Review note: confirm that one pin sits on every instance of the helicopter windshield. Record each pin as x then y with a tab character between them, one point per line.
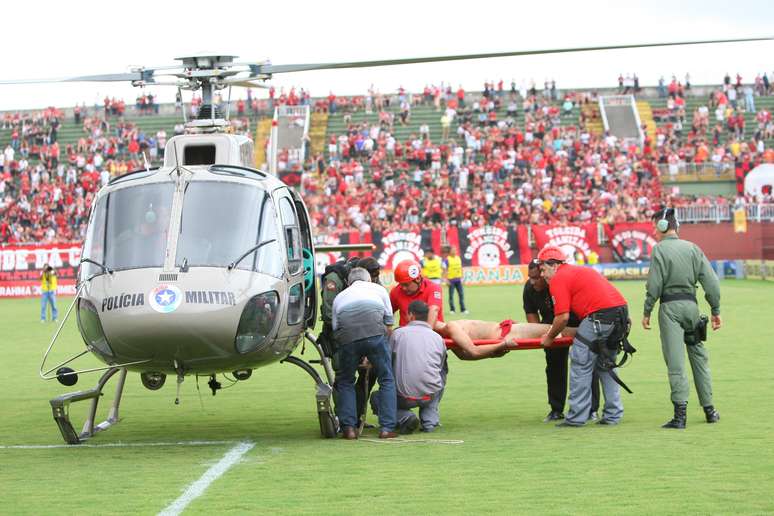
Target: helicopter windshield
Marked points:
221	220
129	228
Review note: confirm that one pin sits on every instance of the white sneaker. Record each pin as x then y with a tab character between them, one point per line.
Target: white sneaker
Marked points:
465	312
452	312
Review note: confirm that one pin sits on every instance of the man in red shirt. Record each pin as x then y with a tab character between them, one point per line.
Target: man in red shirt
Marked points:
604	321
411	286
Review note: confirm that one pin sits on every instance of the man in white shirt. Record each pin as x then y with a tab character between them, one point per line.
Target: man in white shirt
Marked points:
362	316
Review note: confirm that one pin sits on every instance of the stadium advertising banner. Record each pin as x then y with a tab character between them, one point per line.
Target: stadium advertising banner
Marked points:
631	241
22	265
623	271
500	275
572	239
759	269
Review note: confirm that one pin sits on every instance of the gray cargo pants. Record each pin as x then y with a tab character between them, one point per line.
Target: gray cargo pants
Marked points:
583	362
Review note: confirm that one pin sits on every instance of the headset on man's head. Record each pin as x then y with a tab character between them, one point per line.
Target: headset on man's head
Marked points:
663	224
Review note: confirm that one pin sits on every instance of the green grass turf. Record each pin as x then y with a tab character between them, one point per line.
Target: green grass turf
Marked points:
510	462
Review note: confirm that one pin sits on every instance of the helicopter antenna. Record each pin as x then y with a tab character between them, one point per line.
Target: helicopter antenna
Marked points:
145	159
177	161
228	104
182	104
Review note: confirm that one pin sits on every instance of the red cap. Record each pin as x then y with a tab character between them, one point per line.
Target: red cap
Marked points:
407	270
551	252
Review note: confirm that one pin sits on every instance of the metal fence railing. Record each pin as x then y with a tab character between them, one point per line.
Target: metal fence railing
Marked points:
725	213
760	212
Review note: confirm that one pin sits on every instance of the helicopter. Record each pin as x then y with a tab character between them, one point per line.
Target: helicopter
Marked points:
205	264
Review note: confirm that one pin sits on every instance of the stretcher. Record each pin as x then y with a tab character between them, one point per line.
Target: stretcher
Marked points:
559	342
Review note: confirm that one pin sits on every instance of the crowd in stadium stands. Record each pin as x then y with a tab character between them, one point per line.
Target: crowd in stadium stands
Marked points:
535	161
489	169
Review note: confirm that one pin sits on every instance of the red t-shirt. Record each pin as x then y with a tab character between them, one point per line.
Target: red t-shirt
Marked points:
582	291
428	292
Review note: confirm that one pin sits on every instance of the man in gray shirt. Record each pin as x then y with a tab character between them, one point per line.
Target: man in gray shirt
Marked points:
362	315
419	359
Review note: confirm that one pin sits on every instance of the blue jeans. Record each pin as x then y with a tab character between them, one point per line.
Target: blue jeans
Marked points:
47	298
347	358
455	285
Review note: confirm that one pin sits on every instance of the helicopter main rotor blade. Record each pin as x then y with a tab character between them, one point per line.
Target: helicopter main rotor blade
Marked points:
110	77
272	69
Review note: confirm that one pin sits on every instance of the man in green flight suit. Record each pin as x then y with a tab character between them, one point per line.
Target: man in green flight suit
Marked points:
675	268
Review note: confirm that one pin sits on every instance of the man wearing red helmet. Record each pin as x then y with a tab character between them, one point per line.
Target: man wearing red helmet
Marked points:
604	325
412	286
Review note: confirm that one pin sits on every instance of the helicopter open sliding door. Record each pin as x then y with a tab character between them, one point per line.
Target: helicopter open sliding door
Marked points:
310	283
291	231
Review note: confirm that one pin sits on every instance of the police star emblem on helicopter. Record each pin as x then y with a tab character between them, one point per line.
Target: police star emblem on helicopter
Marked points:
150	231
165	298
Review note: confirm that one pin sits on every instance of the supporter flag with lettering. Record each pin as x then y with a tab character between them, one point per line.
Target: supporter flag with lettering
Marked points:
577	241
392	247
631	241
21	267
492	246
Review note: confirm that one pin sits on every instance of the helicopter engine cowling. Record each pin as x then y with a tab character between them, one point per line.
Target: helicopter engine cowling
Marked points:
187	325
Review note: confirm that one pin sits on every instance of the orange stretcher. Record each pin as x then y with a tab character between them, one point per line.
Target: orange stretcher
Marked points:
560	342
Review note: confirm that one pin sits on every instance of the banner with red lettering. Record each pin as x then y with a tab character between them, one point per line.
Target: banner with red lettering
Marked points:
631	241
21	267
577	241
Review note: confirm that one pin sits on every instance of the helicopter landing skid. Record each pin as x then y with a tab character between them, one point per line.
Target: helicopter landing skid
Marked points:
61	408
329	426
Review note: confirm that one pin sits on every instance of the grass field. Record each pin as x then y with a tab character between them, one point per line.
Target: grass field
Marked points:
508	460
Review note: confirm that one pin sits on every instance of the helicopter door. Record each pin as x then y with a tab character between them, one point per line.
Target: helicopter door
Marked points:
310	285
292	234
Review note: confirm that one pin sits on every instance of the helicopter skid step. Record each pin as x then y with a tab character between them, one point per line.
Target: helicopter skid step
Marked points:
61	408
323	394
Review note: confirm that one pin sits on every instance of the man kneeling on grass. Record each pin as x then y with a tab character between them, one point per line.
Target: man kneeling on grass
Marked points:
419	365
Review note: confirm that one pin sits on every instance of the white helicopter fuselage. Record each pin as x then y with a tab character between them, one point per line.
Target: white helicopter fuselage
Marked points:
170	293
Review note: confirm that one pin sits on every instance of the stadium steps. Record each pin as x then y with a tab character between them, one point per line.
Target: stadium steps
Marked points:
317	132
594	117
646	118
262	132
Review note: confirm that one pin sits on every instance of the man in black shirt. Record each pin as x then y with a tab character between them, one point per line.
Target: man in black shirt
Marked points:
539	308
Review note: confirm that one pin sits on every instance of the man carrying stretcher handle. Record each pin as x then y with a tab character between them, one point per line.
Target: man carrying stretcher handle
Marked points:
604	327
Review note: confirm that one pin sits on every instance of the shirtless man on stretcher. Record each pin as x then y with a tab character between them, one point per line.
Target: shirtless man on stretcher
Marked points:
464	331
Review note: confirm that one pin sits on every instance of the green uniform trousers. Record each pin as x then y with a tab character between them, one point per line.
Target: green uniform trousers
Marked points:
674	319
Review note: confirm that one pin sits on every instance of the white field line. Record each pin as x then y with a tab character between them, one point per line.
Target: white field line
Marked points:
412	441
111	445
196	489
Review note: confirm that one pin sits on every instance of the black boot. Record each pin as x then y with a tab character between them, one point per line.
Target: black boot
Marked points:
678	421
712	415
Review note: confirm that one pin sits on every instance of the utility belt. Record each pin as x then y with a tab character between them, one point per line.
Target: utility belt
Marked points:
678	296
608	346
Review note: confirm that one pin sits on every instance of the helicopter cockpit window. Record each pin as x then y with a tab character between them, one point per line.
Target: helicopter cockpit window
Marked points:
292	235
94	246
221	220
199	155
135	227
